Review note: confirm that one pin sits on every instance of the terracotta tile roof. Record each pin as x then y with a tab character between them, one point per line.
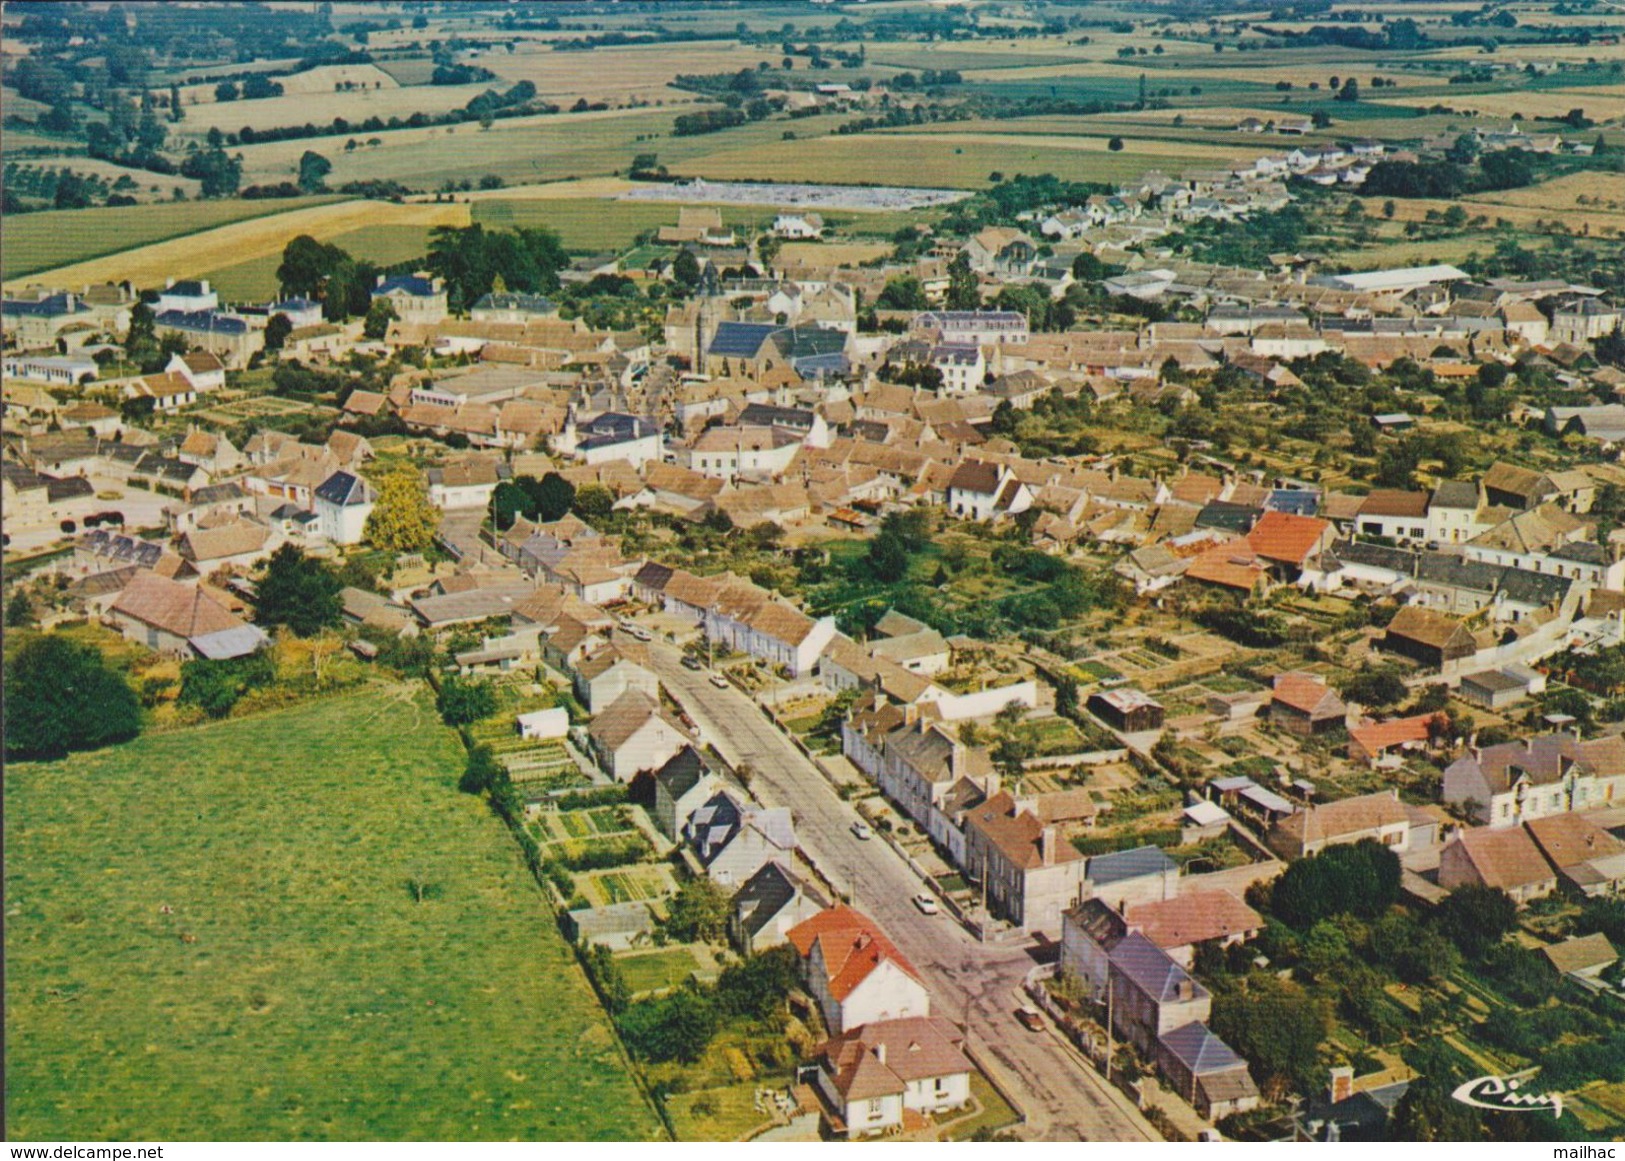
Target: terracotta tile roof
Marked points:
1571	838
628	714
1229	565
1305	693
1281	536
1017	833
1194	918
1581	952
180	609
883	1058
1395	502
1332	821
1507	858
1375	737
853	946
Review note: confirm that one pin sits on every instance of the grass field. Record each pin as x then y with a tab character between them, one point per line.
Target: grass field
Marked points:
54	238
211	935
242	242
652	970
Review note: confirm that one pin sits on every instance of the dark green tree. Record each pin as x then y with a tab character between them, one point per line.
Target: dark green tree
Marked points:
1476	918
699	911
62	696
313	171
277	329
551	496
299	592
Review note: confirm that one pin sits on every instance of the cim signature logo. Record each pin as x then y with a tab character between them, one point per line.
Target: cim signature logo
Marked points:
1496	1092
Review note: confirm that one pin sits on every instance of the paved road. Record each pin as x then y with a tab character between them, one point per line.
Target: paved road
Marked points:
971	983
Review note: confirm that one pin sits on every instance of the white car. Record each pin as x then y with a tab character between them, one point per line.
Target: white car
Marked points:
926	904
862	831
718	680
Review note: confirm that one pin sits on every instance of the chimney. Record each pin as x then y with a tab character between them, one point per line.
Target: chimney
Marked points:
1186	989
1342	1086
1046	845
880	1052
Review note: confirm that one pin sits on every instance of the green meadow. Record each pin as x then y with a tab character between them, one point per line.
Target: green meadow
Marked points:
290	926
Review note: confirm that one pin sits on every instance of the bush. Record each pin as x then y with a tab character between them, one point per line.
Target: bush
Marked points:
462	702
215	687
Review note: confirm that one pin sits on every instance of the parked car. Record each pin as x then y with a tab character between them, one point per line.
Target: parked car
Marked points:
640	633
1030	1019
926	904
862	831
691	662
719	681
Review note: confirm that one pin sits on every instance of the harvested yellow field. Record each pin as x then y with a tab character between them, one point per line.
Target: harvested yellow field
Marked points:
321	108
1604	191
1600	104
1580	221
321	79
834	253
239	242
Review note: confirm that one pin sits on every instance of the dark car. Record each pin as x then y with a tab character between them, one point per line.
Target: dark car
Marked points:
1030	1019
691	662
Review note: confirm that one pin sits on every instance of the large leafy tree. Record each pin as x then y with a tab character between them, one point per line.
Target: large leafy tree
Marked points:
1277	1026
1476	918
472	258
551	497
61	696
298	592
699	911
1360	879
402	519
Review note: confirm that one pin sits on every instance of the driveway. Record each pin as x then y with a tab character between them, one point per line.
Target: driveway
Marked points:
971	983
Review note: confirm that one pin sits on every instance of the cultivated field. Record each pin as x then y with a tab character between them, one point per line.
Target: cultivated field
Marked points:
58	238
311	82
619	75
213	934
321	107
1600	104
954	159
244	241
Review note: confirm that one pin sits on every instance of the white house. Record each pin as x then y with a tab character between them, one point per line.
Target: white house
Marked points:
188	297
980	491
601	679
855	972
871	1074
798	226
202	369
416	298
961	366
1515	782
342	504
634	734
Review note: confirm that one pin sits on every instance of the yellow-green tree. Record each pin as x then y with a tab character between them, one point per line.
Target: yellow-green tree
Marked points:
402	520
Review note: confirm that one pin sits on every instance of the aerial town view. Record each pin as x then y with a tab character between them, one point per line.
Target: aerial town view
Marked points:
814	570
